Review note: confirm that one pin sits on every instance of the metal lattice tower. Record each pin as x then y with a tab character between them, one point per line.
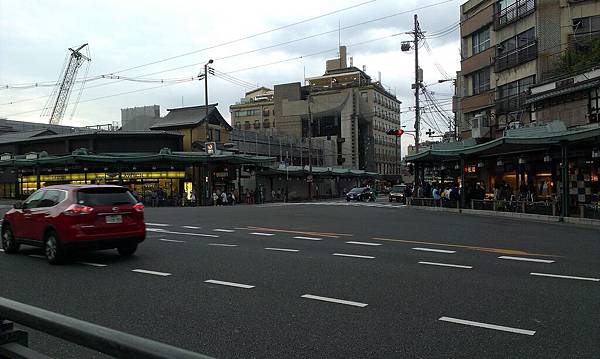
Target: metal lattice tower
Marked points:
63	91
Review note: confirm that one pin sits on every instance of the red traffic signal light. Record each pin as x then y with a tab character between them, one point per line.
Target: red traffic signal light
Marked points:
398	132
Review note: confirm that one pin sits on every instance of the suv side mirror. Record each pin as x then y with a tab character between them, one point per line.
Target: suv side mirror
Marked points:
18	205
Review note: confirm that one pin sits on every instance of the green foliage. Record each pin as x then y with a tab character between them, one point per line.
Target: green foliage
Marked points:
584	56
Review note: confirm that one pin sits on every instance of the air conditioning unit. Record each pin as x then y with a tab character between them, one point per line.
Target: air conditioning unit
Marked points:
481	126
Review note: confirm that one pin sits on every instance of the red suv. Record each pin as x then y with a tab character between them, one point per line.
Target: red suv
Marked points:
64	217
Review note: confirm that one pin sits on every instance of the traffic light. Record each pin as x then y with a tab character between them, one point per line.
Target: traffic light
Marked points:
395	132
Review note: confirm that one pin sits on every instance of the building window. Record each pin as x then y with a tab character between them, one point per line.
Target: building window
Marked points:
594	105
509	97
481	81
585	25
481	40
246	113
508	11
516	50
266	112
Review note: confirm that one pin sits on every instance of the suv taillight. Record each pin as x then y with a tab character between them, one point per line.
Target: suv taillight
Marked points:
138	207
77	210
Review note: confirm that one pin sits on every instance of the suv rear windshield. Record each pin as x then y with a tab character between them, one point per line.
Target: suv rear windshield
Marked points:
105	196
399	188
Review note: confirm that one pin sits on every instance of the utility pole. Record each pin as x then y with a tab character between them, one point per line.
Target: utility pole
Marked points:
309	149
207	176
417	89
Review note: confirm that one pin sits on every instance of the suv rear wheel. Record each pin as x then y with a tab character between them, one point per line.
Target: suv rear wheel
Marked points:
52	248
127	250
9	243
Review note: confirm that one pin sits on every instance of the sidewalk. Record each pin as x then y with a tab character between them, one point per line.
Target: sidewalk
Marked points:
523	216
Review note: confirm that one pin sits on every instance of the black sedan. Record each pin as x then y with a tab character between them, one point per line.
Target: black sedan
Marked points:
360	194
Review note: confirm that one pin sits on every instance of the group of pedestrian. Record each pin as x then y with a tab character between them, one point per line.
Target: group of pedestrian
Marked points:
278	195
223	198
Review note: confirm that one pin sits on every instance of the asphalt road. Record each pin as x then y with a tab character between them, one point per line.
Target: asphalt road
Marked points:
332	280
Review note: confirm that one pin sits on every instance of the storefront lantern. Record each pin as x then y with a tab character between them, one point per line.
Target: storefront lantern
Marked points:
85	169
134	168
547	158
49	169
596	153
105	168
442	167
154	168
66	169
522	160
480	164
499	163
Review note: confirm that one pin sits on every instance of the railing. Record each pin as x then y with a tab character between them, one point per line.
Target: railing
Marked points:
430	202
516	57
14	343
543	208
514	12
590	211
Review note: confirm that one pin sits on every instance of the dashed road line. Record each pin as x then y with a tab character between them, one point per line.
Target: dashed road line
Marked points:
223	230
93	264
353	255
334	300
446	265
191	227
309	238
1	250
229	284
160	230
564	276
433	250
162	274
222	245
170	240
527	259
262	234
487	326
364	243
158	224
282	249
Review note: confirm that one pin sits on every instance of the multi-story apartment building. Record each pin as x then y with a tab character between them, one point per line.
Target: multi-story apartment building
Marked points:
507	47
255	112
350	113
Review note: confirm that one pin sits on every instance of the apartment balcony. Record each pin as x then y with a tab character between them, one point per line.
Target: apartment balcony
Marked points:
513	13
517	56
581	42
477	102
478	61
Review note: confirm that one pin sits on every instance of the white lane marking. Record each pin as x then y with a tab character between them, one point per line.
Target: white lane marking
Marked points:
333	300
282	249
230	284
353	255
262	234
170	240
446	265
162	274
223	230
93	264
160	230
488	326
37	256
364	243
158	224
433	250
309	238
527	259
564	276
1	250
240	228
222	245
190	227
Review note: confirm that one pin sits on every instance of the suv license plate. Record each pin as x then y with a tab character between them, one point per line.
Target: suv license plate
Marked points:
114	219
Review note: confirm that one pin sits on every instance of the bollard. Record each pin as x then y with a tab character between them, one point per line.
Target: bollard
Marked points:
581	211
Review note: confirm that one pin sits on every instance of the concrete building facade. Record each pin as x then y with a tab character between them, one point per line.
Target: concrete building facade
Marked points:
139	118
255	112
507	47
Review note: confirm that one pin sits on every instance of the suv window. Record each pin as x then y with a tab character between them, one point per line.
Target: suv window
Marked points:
103	196
33	200
51	198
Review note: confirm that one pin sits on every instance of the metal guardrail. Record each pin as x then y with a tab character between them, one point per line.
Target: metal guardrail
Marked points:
14	343
543	208
430	202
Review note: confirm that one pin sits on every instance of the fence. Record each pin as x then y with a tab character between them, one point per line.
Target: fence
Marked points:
14	343
543	208
430	202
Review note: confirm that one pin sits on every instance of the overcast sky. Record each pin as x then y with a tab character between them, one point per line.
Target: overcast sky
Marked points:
35	36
